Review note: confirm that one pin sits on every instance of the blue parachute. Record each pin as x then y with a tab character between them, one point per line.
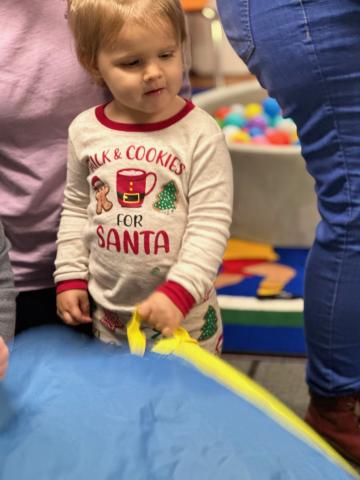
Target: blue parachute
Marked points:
72	408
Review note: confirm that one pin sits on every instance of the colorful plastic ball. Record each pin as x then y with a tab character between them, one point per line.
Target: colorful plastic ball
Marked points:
259	122
221	112
238	108
277	120
272	122
271	107
253	110
241	137
287	125
277	137
294	138
229	131
256	132
234	118
260	140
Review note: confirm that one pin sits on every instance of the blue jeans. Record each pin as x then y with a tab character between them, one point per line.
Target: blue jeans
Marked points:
306	53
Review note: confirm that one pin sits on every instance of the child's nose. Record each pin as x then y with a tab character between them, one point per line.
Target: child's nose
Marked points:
152	72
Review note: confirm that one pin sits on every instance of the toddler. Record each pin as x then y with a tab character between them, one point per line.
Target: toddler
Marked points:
148	198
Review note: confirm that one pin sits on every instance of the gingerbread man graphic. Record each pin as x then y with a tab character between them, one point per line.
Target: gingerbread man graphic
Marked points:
102	190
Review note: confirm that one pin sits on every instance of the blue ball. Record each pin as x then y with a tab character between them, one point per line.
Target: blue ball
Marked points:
256	132
271	107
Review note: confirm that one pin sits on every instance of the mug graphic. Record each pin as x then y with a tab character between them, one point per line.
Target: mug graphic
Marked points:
131	186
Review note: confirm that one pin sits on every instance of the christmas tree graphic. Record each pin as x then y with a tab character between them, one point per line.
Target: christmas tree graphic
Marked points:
210	324
166	199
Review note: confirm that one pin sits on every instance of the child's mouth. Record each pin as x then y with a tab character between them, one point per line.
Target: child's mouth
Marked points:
156	91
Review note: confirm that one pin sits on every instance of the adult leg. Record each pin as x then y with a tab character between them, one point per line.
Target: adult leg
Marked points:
303	52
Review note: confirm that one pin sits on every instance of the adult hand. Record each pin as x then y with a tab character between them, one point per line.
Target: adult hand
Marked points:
4	358
160	313
73	307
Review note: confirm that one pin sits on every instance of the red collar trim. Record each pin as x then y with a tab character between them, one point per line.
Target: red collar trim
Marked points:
142	127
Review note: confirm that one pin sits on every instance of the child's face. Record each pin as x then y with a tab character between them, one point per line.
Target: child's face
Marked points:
143	72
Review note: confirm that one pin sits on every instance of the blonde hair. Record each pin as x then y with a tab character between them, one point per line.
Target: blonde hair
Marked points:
95	24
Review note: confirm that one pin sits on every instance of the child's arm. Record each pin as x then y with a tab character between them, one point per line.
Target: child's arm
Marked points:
4	358
72	255
210	197
209	218
7	302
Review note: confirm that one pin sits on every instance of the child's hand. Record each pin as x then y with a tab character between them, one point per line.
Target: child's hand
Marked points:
4	358
160	313
73	307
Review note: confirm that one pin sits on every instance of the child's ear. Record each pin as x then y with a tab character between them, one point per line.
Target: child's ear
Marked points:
91	67
95	73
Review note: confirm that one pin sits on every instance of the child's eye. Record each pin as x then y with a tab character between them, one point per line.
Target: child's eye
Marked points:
133	63
166	55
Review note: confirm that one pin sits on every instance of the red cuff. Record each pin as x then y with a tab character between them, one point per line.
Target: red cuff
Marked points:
71	285
178	295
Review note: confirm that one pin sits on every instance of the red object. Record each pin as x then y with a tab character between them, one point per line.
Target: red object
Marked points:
131	186
193	5
76	284
221	112
238	266
178	295
278	137
96	182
